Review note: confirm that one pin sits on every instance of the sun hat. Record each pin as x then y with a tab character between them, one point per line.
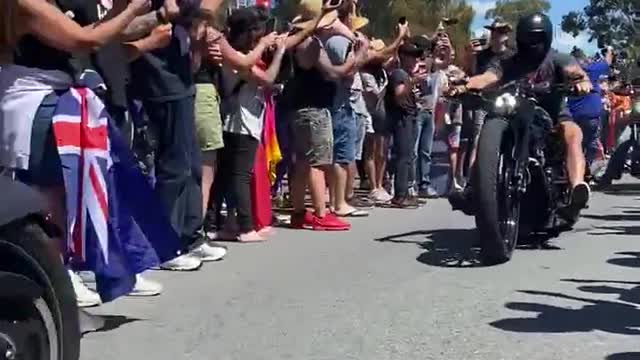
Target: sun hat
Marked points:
307	11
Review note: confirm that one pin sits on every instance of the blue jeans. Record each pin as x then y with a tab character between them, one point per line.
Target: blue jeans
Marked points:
422	149
590	134
178	166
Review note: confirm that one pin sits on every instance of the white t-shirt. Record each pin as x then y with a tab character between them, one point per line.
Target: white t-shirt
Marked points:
243	105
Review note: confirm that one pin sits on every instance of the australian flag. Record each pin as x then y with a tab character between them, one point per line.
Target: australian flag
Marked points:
116	227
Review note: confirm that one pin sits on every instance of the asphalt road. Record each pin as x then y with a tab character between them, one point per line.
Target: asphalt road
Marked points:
403	284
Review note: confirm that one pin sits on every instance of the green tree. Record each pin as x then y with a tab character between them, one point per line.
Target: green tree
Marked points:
423	16
608	22
511	10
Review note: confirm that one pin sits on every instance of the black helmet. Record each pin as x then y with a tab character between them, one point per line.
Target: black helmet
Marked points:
534	34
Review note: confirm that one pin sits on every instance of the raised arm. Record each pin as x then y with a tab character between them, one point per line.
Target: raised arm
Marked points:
40	17
159	38
243	62
391	49
268	77
352	64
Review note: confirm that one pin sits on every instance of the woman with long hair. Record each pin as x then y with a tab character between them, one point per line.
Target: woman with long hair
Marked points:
243	110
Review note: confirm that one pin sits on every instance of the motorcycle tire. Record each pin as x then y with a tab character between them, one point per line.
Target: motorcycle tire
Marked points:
494	249
616	165
25	249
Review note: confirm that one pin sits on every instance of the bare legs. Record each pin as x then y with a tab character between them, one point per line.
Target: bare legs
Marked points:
575	157
315	178
208	176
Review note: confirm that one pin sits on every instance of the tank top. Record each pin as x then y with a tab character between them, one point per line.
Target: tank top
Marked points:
309	89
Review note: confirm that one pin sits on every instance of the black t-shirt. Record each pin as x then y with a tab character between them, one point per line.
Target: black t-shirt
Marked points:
485	57
30	52
395	110
109	61
165	74
550	71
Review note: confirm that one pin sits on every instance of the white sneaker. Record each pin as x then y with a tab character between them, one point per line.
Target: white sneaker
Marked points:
207	252
145	287
84	296
186	262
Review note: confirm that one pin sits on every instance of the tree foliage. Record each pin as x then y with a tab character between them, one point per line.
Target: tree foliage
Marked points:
423	16
511	10
609	22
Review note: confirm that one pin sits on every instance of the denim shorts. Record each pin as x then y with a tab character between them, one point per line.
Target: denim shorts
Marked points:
345	136
45	169
312	135
361	133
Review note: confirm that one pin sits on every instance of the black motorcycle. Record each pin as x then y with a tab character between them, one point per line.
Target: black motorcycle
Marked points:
38	310
626	157
520	183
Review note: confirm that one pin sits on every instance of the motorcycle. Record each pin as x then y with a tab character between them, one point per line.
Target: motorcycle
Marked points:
626	157
520	183
38	310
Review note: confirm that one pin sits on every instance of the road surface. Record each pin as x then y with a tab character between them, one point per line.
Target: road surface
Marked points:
402	285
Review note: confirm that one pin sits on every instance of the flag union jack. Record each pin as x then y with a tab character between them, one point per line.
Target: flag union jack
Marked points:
81	134
116	225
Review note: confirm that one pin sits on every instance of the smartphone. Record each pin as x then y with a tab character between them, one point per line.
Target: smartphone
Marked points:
402	20
270	26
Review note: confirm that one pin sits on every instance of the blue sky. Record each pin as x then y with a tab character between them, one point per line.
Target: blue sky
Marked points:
564	42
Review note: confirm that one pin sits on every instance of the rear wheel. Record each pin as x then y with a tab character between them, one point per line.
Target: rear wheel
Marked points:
45	326
496	196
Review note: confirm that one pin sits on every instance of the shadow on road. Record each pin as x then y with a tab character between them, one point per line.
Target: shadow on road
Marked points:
616	230
623	189
626	216
621	316
444	247
624	356
457	247
91	323
608	316
630	259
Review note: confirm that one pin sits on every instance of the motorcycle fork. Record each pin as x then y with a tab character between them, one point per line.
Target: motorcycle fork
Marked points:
520	134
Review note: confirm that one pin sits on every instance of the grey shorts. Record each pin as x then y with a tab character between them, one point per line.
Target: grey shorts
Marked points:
312	136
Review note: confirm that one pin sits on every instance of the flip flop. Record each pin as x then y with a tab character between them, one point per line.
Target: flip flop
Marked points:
354	213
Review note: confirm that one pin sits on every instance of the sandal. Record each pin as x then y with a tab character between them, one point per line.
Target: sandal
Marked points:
353	213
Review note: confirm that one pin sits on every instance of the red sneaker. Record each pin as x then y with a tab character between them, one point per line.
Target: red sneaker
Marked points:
329	222
302	220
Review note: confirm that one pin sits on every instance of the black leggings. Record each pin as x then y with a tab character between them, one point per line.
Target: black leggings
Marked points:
233	180
404	138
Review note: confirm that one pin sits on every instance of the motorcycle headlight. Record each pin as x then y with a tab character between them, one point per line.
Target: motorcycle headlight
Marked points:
506	104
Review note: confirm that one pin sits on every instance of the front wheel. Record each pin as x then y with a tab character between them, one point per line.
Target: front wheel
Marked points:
44	324
497	202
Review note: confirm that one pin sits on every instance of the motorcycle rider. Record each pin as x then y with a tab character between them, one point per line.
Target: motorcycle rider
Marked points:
536	61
